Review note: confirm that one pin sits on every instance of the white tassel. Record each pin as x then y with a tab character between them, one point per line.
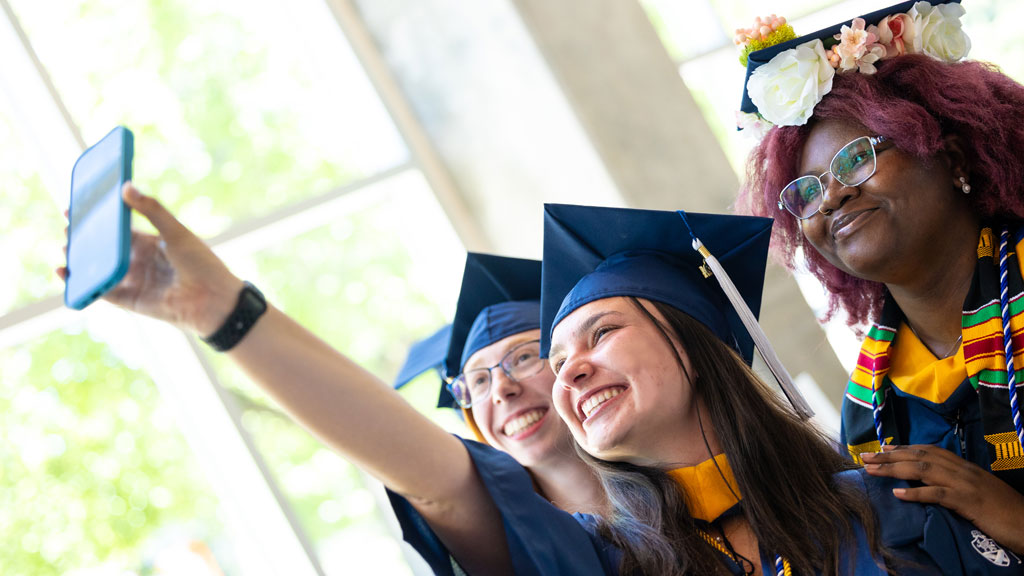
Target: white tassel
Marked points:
803	409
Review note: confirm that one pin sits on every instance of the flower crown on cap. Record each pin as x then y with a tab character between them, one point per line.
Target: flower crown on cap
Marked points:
788	76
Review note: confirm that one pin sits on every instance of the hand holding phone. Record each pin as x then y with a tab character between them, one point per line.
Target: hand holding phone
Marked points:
172	276
99	228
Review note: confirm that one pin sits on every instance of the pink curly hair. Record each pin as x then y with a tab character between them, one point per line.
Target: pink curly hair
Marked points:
915	101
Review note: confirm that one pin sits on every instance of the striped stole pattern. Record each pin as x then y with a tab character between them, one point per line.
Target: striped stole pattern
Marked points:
872	363
984	355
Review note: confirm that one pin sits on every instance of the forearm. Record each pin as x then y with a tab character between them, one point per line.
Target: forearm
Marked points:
348	408
362	418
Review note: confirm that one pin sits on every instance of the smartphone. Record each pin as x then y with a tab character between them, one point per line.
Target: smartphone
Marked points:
99	228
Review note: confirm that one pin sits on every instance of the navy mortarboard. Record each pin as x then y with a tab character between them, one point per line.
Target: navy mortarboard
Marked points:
500	297
592	253
428	354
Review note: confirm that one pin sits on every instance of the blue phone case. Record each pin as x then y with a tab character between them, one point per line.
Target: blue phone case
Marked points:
76	294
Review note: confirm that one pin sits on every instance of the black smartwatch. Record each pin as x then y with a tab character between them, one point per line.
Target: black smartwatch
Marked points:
251	305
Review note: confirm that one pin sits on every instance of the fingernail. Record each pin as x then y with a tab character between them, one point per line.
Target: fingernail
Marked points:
871	467
899	491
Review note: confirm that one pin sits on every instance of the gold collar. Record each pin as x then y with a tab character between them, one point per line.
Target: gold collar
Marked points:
707	494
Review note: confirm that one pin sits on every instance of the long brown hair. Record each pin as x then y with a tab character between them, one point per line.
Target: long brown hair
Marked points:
783	467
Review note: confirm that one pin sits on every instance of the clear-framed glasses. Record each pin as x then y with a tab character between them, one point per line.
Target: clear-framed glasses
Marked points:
851	166
518	364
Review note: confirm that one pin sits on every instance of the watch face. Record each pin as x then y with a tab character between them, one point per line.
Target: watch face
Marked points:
253	299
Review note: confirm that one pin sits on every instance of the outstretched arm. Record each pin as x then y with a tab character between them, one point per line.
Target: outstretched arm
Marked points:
175	277
365	420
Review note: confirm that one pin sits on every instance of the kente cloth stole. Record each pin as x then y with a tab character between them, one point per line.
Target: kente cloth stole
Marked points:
985	361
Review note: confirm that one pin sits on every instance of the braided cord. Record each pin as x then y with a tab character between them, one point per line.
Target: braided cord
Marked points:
876	410
1004	303
725	550
782	567
715	544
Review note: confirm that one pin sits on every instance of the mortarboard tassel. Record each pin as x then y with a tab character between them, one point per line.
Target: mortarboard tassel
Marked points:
803	409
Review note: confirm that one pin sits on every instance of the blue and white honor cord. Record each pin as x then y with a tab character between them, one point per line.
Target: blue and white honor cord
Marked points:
780	566
1004	303
876	410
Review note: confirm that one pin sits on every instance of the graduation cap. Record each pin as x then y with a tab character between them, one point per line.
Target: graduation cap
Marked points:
500	297
427	354
593	253
759	58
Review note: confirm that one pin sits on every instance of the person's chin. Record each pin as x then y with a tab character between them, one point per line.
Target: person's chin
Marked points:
863	254
530	455
863	262
610	453
602	442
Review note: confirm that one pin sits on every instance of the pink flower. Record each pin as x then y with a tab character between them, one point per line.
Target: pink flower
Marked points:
894	31
762	28
833	57
858	48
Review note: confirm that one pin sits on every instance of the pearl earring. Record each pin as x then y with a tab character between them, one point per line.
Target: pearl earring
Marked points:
964	185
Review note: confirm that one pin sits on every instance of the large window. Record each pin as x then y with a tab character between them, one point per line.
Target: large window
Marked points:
28	217
94	470
256	124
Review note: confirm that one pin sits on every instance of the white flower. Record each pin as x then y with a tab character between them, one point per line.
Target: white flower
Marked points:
937	31
787	88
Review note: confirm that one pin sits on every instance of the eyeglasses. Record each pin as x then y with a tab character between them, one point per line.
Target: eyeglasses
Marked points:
851	166
520	363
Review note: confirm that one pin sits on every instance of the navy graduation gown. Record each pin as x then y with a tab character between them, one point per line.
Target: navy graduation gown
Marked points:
544	540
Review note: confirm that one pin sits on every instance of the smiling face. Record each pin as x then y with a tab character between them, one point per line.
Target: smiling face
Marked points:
885	227
620	388
517	417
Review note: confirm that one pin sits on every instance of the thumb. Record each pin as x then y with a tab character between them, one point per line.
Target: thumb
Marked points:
166	224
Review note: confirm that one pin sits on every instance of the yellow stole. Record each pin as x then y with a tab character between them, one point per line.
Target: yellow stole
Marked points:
916	371
707	494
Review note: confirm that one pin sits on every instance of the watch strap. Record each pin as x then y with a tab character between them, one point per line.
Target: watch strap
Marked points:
250	306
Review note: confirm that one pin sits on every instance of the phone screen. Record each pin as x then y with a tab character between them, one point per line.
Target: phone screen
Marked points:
98	230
